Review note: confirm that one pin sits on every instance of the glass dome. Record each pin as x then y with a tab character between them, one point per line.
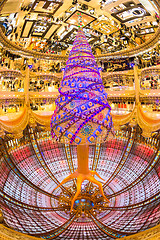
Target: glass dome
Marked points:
31	167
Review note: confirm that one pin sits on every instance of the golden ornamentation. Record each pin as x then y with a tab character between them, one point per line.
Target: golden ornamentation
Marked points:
18	134
128	52
104	26
1	216
2	133
137	116
9	234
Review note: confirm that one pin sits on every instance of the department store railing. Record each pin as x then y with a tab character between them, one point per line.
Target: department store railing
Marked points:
43	89
36	96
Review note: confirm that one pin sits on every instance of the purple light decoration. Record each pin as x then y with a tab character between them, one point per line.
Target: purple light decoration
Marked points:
82	114
30	66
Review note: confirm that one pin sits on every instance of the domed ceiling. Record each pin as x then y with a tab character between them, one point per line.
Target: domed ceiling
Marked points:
32	166
50	26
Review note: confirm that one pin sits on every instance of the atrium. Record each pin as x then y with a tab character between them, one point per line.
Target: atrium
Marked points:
49	51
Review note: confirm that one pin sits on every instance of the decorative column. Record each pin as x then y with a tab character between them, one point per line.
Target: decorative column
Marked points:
137	83
1	217
133	121
26	85
12	64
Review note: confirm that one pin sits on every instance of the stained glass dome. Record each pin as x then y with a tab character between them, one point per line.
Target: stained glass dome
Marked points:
31	167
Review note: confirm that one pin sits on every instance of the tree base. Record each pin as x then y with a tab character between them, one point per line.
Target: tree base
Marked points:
80	178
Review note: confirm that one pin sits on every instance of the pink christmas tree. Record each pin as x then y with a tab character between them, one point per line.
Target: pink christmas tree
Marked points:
82	114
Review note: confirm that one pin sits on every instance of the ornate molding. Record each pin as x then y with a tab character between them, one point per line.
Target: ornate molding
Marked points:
137	116
149	234
9	234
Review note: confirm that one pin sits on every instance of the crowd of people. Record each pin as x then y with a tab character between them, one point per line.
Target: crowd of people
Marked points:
12	85
43	86
150	83
128	63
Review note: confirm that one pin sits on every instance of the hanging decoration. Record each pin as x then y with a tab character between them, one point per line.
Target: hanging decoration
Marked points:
82	115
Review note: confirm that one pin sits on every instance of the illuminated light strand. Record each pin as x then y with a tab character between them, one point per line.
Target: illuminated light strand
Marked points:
90	70
80	57
82	98
77	44
85	112
82	124
68	95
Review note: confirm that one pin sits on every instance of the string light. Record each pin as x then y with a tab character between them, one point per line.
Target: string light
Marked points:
82	114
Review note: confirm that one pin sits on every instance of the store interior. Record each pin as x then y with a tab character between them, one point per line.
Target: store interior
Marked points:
36	37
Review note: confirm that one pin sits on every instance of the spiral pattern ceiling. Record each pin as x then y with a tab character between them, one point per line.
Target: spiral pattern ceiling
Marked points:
31	167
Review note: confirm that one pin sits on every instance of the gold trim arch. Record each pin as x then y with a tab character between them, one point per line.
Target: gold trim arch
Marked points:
149	234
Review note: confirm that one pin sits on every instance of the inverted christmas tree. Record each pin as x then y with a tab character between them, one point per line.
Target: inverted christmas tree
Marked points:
82	114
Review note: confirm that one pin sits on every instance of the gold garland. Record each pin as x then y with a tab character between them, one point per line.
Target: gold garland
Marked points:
137	116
